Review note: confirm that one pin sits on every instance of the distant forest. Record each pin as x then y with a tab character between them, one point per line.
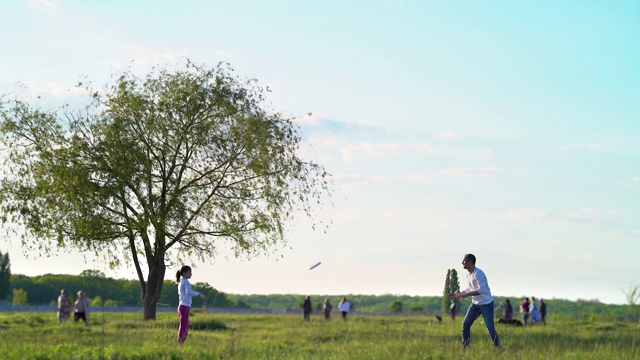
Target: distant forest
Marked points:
44	290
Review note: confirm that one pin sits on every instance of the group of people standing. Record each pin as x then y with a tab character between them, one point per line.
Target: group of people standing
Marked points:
533	311
186	293
80	307
307	308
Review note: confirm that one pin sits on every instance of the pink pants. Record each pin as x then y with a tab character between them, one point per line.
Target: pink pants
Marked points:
183	311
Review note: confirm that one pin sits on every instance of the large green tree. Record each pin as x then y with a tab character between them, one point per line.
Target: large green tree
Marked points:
182	163
5	276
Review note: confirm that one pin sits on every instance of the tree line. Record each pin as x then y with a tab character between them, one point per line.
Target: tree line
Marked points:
44	290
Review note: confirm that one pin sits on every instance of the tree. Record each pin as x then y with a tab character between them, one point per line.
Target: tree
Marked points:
93	274
96	301
633	300
451	285
5	276
19	297
395	307
182	164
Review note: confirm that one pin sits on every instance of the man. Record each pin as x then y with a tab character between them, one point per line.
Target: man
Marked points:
507	310
481	301
543	311
524	310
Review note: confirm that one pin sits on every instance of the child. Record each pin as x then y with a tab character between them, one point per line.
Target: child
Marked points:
184	294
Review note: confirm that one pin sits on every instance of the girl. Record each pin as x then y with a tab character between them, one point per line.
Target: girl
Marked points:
184	294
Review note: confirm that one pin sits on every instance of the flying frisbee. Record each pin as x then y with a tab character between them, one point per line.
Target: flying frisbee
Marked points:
315	265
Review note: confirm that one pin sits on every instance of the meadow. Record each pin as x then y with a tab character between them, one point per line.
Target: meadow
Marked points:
243	336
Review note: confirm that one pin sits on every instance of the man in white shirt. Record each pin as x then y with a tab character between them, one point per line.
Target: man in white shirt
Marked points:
481	301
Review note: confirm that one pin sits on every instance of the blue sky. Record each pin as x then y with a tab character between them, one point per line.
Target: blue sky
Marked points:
506	129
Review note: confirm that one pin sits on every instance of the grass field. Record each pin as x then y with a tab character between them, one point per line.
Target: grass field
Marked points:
224	336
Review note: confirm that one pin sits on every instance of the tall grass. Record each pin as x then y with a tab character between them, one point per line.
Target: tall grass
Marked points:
126	336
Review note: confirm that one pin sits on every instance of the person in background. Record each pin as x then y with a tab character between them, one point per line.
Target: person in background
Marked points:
507	310
82	307
64	306
453	310
326	308
533	307
185	293
307	308
524	310
344	307
543	311
481	302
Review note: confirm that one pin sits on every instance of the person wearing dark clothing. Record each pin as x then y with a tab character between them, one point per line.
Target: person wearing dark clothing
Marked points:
507	310
327	309
524	310
543	312
307	308
453	310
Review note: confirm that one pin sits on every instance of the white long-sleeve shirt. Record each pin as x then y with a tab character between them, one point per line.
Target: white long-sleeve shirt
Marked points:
478	281
185	293
344	306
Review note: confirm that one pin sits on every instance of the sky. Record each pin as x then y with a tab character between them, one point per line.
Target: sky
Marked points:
506	129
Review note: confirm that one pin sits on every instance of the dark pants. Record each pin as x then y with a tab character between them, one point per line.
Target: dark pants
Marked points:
473	313
80	315
307	315
327	315
344	315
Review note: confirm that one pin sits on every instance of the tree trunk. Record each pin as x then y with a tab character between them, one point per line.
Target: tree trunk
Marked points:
155	281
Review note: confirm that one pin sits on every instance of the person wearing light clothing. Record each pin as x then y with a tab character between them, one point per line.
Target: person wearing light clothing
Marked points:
344	307
185	293
481	301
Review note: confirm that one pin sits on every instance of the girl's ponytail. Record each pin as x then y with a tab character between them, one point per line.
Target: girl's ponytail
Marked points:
183	270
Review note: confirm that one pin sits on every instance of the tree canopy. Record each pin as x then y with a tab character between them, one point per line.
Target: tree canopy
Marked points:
183	163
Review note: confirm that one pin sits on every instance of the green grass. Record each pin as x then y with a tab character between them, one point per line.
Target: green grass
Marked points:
225	336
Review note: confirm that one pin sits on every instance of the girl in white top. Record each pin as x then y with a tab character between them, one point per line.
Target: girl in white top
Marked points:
185	293
344	307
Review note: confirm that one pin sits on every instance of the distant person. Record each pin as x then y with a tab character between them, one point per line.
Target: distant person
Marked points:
307	308
82	307
185	293
453	309
481	302
507	310
326	308
533	309
543	311
64	306
344	307
524	310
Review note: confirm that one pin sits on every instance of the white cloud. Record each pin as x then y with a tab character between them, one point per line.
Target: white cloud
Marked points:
635	179
142	56
353	181
445	136
372	150
574	147
43	5
51	88
587	215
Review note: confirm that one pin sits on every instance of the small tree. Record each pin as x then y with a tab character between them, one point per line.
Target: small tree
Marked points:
633	300
110	303
5	276
19	297
395	306
451	285
97	301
